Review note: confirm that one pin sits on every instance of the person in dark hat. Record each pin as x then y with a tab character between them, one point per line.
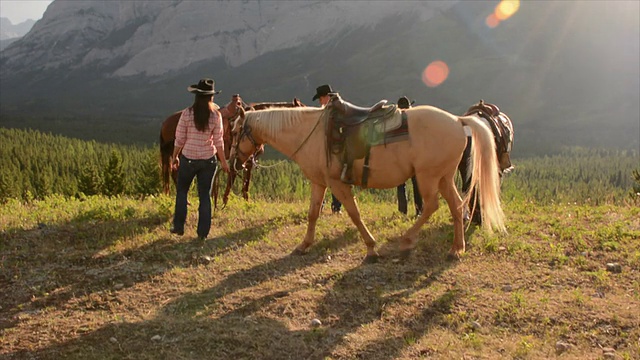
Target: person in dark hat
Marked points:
404	103
322	95
197	145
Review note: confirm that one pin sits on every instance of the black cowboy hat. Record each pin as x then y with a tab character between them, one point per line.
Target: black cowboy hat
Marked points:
204	87
403	102
322	90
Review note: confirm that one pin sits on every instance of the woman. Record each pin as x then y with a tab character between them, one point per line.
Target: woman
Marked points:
198	142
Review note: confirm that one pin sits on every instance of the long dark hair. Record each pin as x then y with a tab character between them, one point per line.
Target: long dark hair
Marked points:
201	111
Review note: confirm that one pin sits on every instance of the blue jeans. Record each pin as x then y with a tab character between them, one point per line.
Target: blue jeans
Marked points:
204	171
402	197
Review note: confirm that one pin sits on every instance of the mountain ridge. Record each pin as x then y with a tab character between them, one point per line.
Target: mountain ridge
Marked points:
558	74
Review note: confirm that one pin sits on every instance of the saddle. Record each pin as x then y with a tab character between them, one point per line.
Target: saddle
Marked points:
496	120
352	130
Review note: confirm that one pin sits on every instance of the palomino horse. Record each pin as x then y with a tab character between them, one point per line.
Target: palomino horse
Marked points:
168	135
436	141
502	129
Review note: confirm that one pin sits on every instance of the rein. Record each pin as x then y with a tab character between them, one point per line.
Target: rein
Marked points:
307	138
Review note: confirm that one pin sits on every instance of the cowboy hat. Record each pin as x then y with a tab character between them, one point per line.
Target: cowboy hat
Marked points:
322	90
404	103
204	87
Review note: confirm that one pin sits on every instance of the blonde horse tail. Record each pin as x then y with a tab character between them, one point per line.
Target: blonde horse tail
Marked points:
485	176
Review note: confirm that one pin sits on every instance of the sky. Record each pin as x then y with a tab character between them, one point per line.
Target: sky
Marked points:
20	10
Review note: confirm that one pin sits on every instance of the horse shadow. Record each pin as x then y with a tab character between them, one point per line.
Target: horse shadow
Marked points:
381	286
244	332
80	273
114	337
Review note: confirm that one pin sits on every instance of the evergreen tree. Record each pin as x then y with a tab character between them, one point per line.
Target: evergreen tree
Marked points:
90	182
148	181
42	185
114	178
7	190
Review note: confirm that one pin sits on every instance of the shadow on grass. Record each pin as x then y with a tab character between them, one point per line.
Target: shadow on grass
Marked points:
47	265
232	336
242	332
359	298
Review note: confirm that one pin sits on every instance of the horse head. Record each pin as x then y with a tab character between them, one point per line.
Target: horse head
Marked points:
244	148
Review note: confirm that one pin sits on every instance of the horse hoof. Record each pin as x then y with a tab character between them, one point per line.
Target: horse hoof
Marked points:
371	259
298	252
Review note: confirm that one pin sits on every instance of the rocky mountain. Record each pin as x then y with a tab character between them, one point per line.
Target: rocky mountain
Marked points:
10	32
560	69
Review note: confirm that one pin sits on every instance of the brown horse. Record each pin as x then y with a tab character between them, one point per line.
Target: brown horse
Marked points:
436	141
229	113
168	134
502	129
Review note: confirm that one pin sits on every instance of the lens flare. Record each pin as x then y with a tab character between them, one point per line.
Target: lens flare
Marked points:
435	73
504	10
492	21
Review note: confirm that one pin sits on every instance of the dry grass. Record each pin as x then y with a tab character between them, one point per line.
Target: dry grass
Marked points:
104	279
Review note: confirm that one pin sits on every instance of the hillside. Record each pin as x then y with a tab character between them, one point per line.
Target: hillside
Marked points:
560	70
102	278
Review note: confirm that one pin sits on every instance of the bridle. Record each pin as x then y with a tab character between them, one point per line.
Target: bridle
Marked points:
245	131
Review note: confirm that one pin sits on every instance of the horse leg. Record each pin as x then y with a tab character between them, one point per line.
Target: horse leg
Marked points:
317	194
451	195
245	183
429	191
230	179
165	175
344	194
165	166
465	169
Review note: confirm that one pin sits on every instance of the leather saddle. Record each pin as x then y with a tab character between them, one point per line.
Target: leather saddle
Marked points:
352	129
349	122
492	114
497	121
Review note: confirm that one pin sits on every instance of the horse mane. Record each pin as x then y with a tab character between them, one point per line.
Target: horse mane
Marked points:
274	120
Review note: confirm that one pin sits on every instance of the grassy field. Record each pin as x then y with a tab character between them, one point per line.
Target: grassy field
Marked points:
102	278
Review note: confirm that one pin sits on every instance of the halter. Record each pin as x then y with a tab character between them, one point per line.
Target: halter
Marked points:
246	132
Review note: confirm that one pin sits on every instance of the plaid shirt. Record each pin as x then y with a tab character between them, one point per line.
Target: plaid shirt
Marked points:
199	144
